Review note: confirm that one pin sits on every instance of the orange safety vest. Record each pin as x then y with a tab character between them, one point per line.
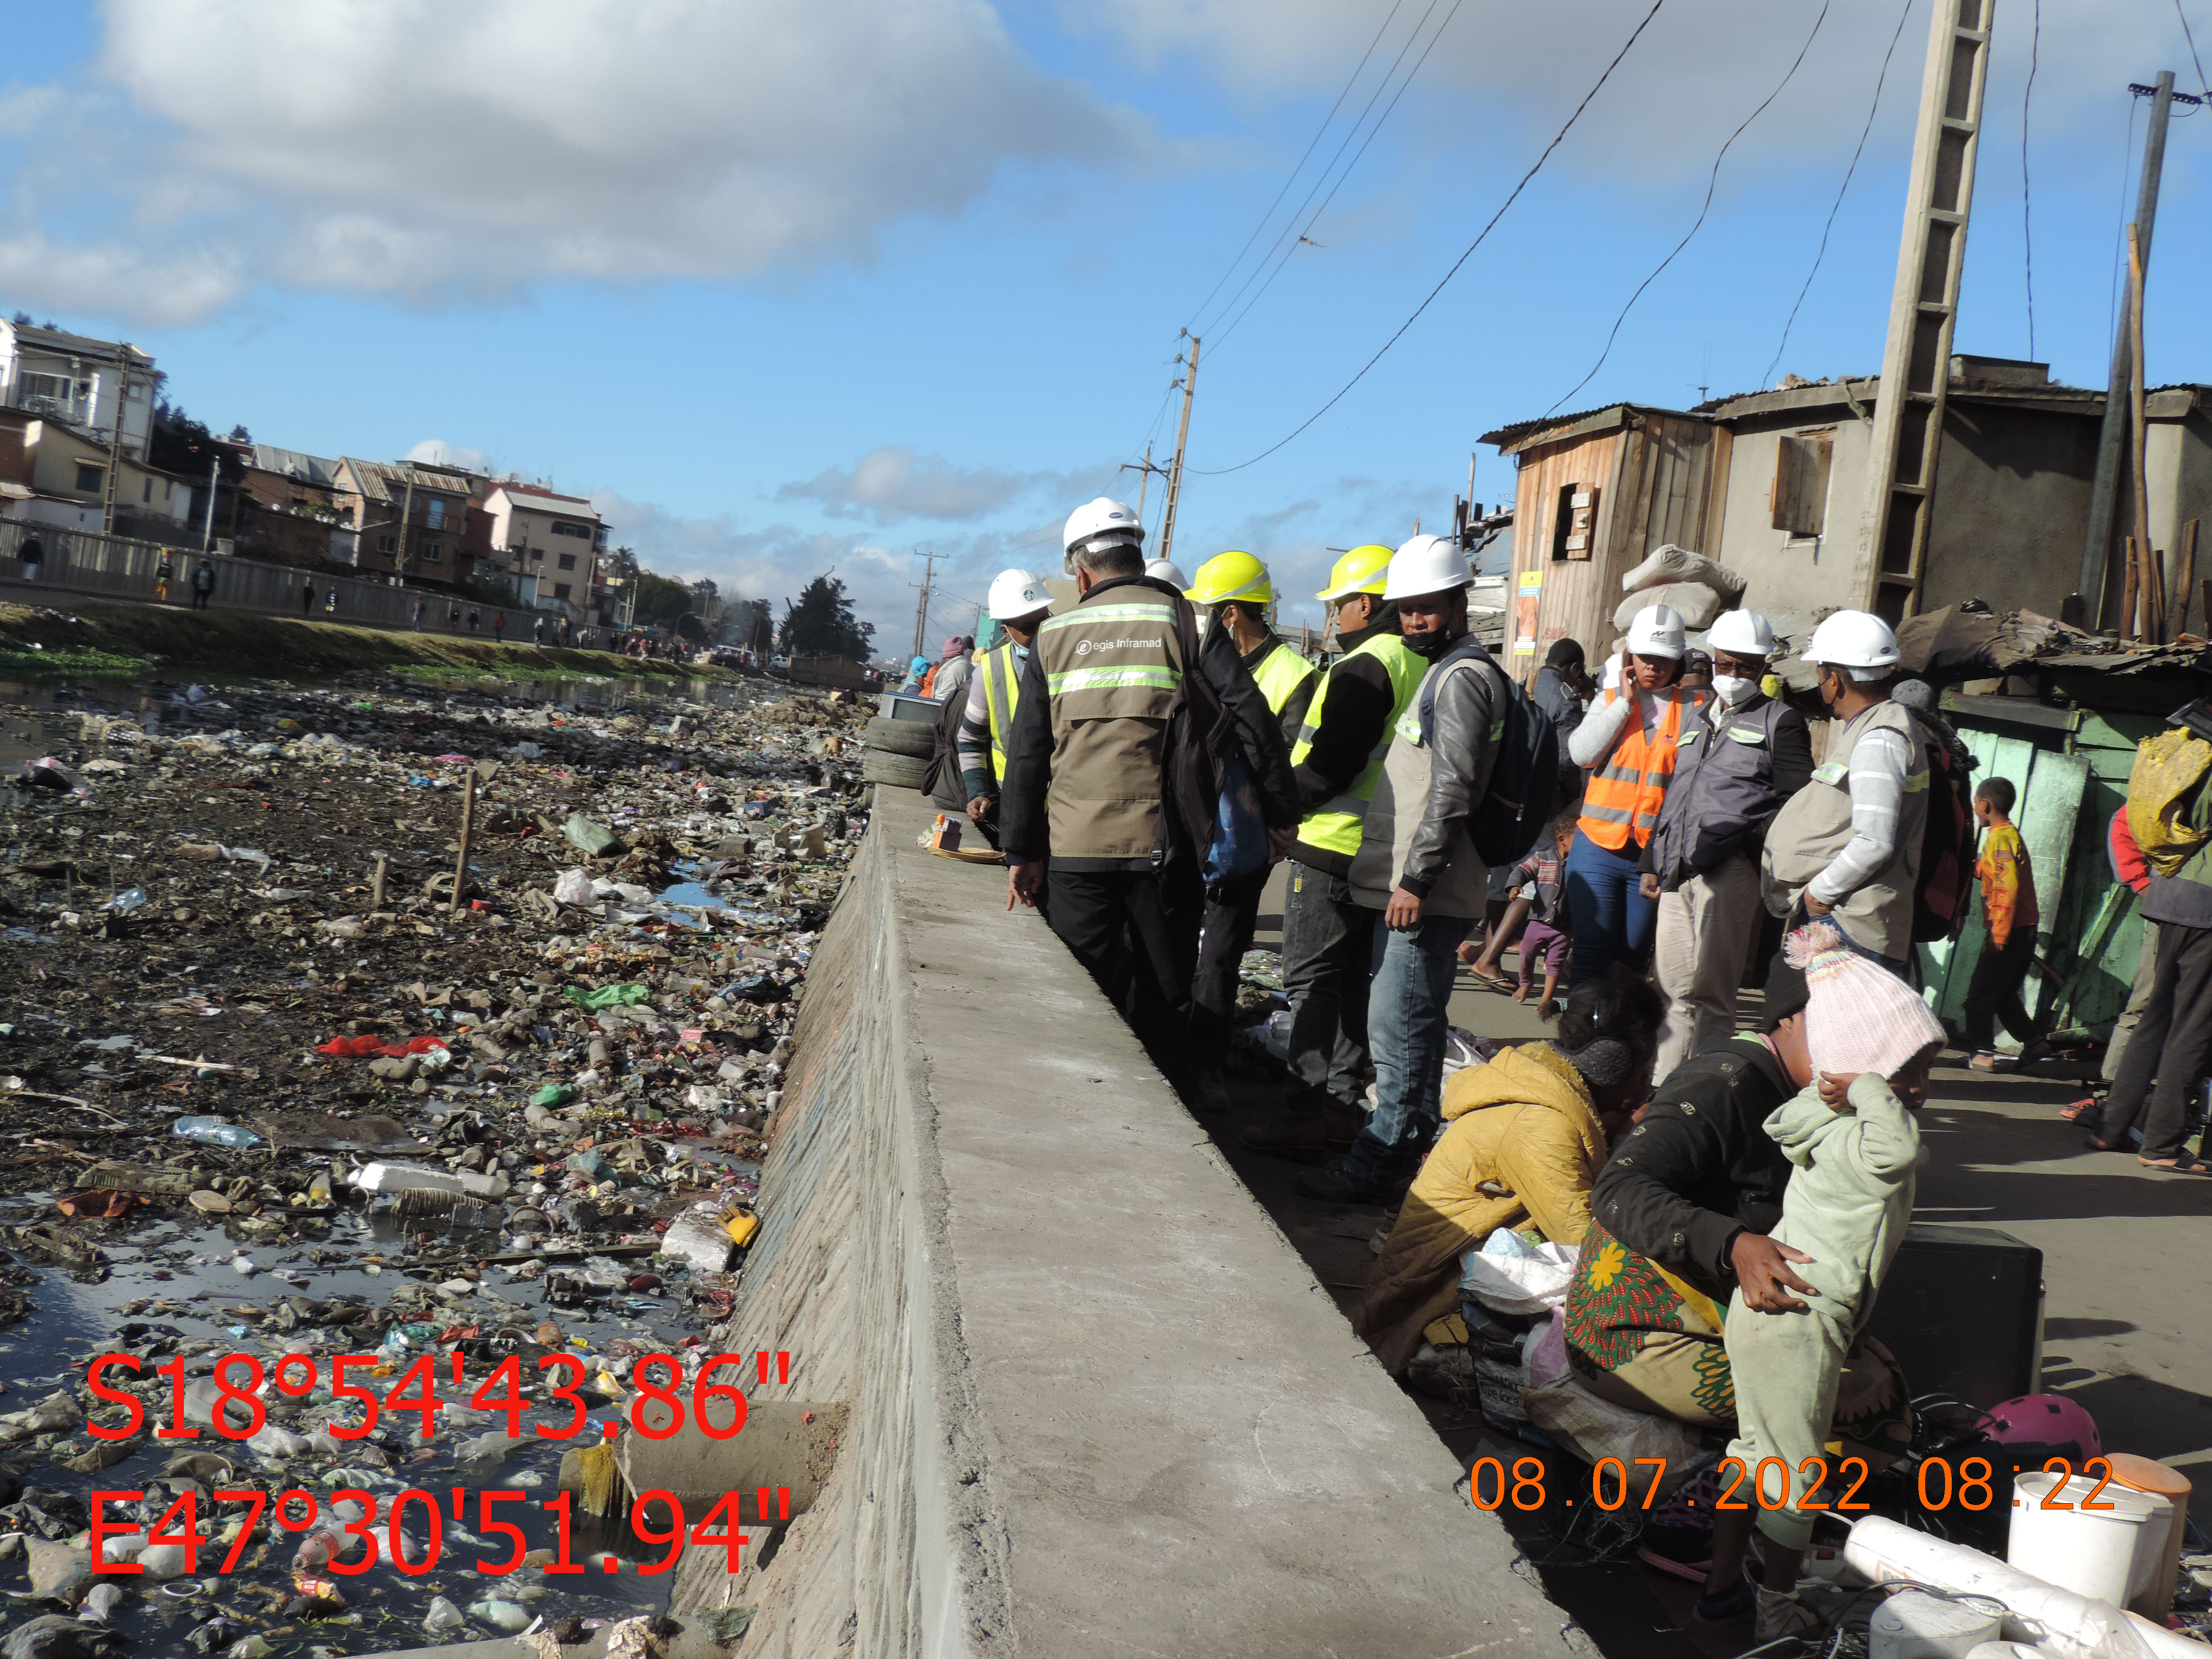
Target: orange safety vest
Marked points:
1624	795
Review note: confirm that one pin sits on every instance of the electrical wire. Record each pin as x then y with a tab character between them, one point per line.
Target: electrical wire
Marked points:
1292	177
1713	183
1835	206
2027	222
1557	138
1290	231
2203	86
1314	218
2120	226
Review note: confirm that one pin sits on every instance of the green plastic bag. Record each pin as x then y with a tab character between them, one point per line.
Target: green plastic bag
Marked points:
606	996
553	1094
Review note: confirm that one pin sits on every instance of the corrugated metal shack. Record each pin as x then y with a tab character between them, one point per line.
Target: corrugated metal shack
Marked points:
2058	712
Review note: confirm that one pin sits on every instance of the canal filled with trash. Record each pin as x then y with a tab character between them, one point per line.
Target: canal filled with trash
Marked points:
269	1087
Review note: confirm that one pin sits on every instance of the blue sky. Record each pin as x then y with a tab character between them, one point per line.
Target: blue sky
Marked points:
791	292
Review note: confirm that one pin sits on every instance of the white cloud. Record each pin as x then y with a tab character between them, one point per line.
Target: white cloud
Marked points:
438	452
891	483
402	147
1503	74
158	290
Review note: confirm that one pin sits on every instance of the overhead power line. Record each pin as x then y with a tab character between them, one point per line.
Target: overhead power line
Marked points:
2202	87
1314	218
1836	206
1713	183
1557	138
1292	178
2027	219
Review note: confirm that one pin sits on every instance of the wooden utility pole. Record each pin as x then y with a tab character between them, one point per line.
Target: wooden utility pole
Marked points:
399	547
2104	490
1174	467
1891	555
1144	477
2150	581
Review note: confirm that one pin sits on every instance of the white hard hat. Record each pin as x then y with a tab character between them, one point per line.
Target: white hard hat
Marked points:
1853	639
1015	594
1426	564
1743	633
1169	571
1657	631
1103	519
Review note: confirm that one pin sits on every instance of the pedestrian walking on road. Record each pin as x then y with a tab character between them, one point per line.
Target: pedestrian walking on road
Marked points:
2172	1046
31	555
1848	844
419	603
476	620
307	596
163	576
454	618
568	632
537	628
1740	759
499	627
2009	916
202	584
331	601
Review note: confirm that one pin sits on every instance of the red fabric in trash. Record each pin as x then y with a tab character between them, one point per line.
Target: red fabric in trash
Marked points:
369	1048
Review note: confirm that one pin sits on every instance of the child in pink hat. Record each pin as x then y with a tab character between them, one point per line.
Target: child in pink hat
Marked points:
1855	1147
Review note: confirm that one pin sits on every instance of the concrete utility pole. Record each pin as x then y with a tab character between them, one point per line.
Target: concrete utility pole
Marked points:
1174	467
922	605
1890	556
2097	543
215	472
115	438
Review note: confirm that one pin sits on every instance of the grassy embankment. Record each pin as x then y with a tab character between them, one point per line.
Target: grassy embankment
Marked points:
96	640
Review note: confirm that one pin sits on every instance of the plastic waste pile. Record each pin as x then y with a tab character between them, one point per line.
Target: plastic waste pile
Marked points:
275	1087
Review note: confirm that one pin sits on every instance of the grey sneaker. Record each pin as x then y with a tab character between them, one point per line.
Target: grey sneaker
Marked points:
1784	1616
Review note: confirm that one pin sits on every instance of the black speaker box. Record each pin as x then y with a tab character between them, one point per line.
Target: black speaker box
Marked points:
1962	1309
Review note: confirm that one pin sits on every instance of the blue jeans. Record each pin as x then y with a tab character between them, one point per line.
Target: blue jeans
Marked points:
1614	922
1406	1017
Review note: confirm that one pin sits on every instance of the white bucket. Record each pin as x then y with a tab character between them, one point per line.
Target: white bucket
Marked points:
2092	1552
1914	1625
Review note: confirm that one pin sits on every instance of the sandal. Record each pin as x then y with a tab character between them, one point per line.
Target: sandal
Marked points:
2087	1106
2180	1163
2096	1146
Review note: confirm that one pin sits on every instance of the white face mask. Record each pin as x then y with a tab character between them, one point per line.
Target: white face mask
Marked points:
1733	690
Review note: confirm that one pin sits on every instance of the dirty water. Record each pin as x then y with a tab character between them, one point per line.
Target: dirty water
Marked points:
237	908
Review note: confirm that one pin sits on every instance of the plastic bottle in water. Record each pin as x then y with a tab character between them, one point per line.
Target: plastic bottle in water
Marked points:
214	1132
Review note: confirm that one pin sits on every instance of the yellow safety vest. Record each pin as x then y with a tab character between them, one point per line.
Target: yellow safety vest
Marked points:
1335	826
1281	672
1002	692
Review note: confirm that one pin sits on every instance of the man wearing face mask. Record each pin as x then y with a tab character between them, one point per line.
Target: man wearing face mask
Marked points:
1328	938
1847	846
1738	760
1417	877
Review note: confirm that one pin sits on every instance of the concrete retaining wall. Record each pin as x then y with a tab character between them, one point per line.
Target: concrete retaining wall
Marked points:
1098	1404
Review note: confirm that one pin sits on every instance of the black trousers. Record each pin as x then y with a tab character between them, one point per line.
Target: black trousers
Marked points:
2174	1045
1232	912
1328	948
1993	993
1136	932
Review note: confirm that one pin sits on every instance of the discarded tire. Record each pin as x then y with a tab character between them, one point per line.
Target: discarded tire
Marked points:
901	771
901	737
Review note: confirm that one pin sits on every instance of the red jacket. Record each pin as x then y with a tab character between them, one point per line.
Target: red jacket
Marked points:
2129	863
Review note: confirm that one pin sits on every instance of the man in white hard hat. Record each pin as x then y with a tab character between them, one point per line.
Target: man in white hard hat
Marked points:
1168	571
1847	846
1744	756
1416	871
1017	602
1096	791
1628	742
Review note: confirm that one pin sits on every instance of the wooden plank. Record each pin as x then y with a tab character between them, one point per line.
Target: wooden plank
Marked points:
2111	728
2011	711
2048	813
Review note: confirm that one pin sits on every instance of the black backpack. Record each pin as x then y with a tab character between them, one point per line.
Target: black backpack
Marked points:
1524	795
1943	893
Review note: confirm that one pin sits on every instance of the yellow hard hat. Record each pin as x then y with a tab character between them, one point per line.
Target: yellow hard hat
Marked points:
1360	571
1231	575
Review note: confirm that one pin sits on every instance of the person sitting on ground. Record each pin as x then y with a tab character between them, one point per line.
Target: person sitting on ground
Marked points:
1854	1148
1682	1216
2008	918
1526	1133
